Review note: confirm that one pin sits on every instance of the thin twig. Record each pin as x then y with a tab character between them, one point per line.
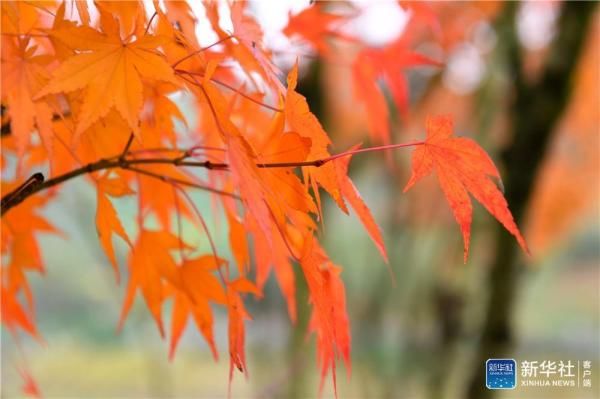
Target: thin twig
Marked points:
168	179
227	86
179	229
126	149
149	23
200	50
211	242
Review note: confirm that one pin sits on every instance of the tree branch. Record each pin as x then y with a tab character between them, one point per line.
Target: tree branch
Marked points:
122	162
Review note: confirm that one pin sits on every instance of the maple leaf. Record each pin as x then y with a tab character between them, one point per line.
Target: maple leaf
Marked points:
237	237
237	315
82	10
19	17
462	167
386	63
247	30
19	230
279	147
180	14
110	69
13	315
23	74
158	197
199	286
315	26
159	115
149	264
242	158
422	14
274	255
305	123
129	13
329	319
29	387
107	221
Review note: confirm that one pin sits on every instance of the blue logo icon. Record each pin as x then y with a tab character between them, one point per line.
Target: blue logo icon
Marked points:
501	374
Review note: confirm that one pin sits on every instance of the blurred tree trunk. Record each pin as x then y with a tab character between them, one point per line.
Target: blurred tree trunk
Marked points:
534	113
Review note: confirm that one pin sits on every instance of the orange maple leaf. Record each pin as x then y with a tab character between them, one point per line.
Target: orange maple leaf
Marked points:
29	387
249	33
199	286
388	64
315	26
236	331
329	319
23	74
13	315
306	124
110	68
462	167
107	220
150	265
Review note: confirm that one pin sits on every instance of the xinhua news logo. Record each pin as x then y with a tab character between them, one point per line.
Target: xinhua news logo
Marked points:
501	374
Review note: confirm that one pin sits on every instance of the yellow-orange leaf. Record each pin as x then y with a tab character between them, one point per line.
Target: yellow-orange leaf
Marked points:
306	124
107	223
110	69
200	286
237	315
23	74
114	187
287	147
149	264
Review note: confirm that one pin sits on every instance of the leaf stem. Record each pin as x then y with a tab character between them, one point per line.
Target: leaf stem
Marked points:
174	180
126	149
227	86
193	53
149	23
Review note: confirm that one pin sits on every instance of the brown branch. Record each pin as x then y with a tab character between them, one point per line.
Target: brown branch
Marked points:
120	162
129	141
23	190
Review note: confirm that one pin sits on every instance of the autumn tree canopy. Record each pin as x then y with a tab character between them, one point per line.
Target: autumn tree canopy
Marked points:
87	92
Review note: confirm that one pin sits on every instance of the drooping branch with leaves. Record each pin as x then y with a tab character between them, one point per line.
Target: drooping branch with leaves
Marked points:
88	93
